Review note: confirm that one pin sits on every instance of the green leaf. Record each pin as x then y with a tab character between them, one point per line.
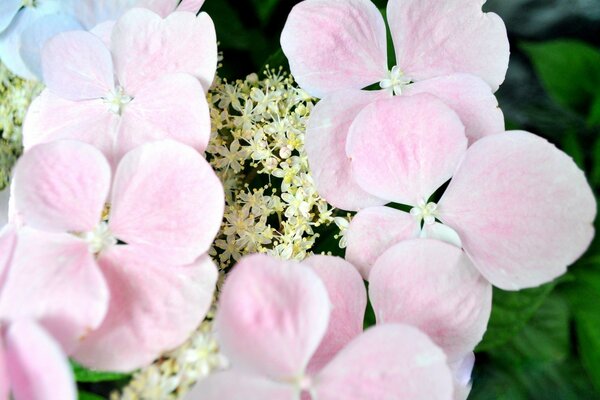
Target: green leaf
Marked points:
82	395
572	146
265	9
568	69
593	119
510	313
276	60
83	374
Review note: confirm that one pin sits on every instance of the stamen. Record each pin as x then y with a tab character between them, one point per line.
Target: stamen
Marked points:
395	82
117	99
426	212
99	239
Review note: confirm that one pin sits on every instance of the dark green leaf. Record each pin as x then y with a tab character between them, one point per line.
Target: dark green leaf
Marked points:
83	374
569	71
572	146
264	9
88	396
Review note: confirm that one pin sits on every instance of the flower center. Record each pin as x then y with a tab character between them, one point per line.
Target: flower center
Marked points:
395	82
100	238
117	99
425	212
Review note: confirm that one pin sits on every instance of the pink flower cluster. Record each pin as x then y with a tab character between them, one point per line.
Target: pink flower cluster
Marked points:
113	206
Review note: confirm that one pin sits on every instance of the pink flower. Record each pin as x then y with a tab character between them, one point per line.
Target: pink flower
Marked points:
145	87
520	208
294	343
141	235
338	47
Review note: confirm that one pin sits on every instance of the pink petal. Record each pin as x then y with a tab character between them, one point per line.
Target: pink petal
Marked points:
190	5
38	368
348	297
77	66
335	44
54	279
462	370
166	196
434	39
470	97
104	31
404	148
153	308
394	362
145	47
233	385
94	12
62	186
174	106
375	229
50	118
8	241
522	209
435	287
281	307
326	133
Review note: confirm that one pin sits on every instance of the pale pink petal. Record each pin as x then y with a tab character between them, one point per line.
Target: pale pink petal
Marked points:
441	232
77	66
375	229
335	44
433	38
434	286
392	362
348	297
232	385
62	186
190	5
462	370
4	378
470	97
93	12
104	31
522	209
166	196
172	107
38	369
145	47
154	307
282	309
404	148
326	133
8	241
54	279
50	118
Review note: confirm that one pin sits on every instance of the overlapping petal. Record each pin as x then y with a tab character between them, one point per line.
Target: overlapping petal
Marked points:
387	362
8	11
93	12
348	298
434	286
404	148
232	385
522	209
190	5
335	44
325	144
38	370
166	196
4	200
77	66
154	307
145	46
62	186
283	310
8	241
434	38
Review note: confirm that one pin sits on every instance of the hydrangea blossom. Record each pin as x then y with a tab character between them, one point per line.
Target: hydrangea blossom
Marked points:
26	25
295	343
338	47
142	234
148	92
520	208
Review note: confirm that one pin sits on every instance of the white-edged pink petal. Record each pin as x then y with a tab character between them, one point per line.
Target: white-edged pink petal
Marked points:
392	362
50	118
433	38
190	5
54	279
375	229
335	44
325	144
434	286
145	46
77	66
470	97
172	107
405	147
348	298
522	208
233	385
154	307
272	316
38	369
62	186
166	196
